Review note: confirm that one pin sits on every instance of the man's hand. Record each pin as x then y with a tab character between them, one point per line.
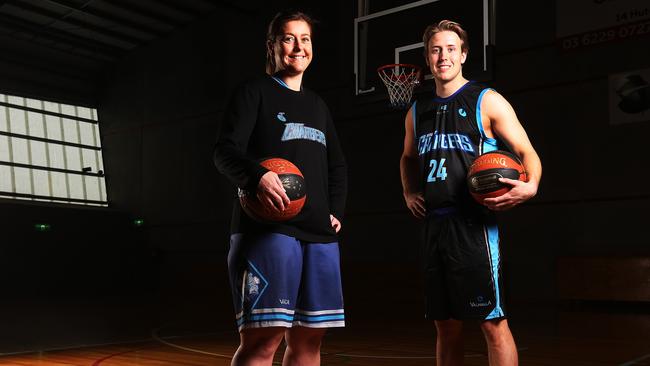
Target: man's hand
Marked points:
519	193
271	192
415	203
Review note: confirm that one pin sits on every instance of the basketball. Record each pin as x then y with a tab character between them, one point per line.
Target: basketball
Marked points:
292	181
485	171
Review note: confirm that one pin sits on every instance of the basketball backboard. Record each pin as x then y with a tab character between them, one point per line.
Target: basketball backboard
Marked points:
390	31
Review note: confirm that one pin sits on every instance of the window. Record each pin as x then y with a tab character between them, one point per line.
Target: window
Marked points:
50	152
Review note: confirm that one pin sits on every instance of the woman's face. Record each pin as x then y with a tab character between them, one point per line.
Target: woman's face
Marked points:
292	50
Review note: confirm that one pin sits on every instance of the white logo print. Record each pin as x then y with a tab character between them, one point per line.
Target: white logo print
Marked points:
281	117
296	131
253	284
480	302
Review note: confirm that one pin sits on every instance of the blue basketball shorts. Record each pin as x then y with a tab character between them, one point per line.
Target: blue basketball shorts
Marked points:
463	267
280	281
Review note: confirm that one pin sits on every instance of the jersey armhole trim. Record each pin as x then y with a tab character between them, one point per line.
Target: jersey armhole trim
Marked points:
489	143
413	114
479	118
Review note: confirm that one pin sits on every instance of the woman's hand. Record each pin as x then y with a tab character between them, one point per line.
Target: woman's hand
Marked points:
271	192
336	224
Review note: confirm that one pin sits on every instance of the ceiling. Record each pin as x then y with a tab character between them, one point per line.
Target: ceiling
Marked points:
75	42
100	30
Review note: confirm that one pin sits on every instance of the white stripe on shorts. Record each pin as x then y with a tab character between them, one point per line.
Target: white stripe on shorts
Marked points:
334	324
267	311
320	312
264	324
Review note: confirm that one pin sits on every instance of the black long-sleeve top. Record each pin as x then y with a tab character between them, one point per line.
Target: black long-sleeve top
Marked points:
265	119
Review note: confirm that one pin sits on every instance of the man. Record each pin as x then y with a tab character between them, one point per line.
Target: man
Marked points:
444	134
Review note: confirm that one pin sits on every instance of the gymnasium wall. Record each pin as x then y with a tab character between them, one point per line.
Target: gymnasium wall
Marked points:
160	116
593	194
83	280
49	74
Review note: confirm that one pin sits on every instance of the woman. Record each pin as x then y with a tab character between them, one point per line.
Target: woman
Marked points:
285	277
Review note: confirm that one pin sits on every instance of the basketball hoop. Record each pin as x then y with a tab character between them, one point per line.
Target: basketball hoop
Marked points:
400	79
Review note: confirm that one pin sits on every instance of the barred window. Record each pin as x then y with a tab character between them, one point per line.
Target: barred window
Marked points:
50	152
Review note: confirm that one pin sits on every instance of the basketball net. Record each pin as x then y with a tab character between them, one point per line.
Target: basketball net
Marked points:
400	80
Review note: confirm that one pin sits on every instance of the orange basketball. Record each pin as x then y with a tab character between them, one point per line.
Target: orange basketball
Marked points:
485	171
292	181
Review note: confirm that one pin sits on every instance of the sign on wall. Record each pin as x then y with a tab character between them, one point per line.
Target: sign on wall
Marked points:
581	23
629	97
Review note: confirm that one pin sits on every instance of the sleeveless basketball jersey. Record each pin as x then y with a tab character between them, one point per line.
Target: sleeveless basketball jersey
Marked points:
449	136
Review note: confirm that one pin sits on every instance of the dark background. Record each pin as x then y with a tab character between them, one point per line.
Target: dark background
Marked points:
95	278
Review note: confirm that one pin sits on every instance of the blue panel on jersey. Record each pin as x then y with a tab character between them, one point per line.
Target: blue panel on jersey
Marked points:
489	144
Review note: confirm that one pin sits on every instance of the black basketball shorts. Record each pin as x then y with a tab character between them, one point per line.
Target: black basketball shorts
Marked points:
462	266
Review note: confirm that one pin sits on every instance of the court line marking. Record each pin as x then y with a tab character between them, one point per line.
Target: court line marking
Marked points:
100	360
393	357
407	357
154	335
81	346
635	361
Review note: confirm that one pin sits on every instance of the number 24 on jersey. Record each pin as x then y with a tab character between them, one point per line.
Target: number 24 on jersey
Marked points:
438	170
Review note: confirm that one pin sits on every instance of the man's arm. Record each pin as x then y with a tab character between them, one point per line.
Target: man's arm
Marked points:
409	170
502	121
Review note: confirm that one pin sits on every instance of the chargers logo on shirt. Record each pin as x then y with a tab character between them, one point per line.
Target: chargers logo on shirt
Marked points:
298	131
444	141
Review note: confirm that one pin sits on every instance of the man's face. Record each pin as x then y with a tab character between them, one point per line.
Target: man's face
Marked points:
445	58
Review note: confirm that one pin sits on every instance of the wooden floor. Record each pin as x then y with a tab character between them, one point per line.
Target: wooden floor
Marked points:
572	344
